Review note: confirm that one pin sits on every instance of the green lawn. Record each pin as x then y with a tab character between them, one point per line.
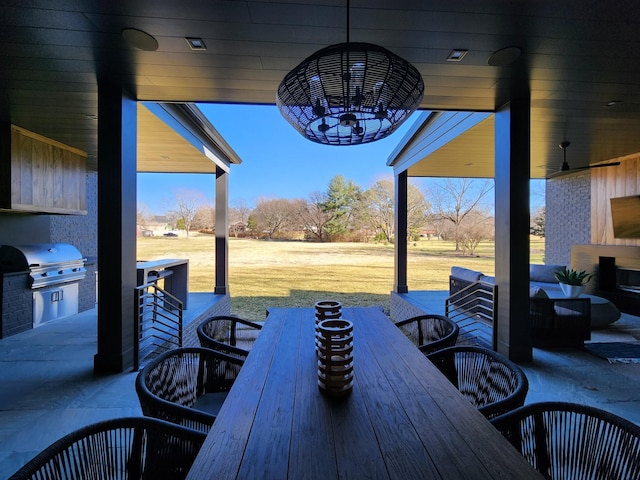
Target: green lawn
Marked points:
291	274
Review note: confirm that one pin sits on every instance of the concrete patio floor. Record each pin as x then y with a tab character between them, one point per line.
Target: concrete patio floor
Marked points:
49	389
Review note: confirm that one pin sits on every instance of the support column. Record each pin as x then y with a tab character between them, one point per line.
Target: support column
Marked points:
117	132
400	243
222	232
512	172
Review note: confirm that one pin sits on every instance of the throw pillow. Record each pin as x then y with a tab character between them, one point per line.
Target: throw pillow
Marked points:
544	273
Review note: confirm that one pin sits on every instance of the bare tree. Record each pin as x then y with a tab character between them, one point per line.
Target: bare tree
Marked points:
418	210
142	215
380	200
274	215
205	218
538	220
239	216
315	217
476	227
187	203
454	199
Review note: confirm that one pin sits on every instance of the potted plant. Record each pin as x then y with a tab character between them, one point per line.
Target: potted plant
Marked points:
572	281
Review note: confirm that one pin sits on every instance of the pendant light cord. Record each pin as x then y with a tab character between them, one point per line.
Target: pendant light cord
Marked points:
346	98
347	21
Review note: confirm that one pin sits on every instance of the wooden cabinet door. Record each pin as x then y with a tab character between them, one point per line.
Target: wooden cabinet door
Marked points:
46	176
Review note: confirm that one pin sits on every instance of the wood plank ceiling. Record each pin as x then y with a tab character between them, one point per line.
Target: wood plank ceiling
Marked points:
578	56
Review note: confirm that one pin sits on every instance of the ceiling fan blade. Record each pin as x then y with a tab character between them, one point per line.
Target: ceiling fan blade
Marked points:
566	169
561	172
600	165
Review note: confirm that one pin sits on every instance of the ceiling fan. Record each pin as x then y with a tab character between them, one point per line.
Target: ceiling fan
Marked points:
565	168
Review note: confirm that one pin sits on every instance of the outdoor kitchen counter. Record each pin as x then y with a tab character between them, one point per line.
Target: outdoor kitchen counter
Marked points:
175	273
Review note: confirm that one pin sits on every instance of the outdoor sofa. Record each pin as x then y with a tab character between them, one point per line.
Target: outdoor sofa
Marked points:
556	321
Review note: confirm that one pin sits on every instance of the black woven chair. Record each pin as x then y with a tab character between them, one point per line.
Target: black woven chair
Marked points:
430	332
228	334
187	386
491	382
117	449
570	441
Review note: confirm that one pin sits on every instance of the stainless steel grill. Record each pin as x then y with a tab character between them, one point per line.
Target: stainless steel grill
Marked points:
47	263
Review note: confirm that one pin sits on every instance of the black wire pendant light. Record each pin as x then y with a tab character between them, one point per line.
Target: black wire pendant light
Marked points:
350	93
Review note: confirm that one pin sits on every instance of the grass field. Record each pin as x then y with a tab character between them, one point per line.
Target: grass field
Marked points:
297	274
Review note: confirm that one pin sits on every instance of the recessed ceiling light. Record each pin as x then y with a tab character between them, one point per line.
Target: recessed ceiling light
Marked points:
139	39
504	57
613	103
457	55
196	43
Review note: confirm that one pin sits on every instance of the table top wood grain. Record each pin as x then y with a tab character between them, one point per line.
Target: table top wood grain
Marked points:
402	420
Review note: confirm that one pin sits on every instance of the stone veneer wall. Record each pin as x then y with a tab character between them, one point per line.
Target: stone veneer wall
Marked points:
568	216
402	309
82	232
220	306
17	301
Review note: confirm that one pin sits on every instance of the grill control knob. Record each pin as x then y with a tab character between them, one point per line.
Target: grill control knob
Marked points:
44	274
60	272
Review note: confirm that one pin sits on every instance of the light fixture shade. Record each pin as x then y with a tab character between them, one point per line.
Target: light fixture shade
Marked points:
350	93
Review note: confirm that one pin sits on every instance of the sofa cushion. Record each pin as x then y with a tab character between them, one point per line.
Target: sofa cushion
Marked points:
537	292
544	273
465	274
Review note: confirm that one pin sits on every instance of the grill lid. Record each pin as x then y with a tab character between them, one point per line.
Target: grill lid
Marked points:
47	263
18	258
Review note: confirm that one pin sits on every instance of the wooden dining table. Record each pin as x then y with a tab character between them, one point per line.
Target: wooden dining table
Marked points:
401	420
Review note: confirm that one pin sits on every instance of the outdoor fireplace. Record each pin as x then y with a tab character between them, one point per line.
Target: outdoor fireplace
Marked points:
39	284
628	279
619	281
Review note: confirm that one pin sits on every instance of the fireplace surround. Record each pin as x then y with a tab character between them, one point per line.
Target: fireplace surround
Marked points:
616	270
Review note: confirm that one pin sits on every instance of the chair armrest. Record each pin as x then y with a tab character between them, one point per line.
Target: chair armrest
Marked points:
559	322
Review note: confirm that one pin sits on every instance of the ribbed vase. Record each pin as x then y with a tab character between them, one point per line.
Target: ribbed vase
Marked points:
334	345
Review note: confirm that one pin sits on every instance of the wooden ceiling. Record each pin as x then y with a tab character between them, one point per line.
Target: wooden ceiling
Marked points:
577	57
162	150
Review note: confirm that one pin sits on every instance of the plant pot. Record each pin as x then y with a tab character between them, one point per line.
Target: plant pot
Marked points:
572	291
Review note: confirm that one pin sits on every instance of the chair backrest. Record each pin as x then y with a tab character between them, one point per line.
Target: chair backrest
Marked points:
430	332
567	440
228	334
490	381
117	449
169	386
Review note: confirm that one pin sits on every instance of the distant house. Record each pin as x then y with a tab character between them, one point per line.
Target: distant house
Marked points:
157	225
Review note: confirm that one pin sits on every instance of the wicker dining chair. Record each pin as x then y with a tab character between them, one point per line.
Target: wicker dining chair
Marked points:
187	385
117	449
567	440
430	332
491	382
228	334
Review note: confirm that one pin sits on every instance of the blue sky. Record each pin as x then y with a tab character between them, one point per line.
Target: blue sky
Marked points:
277	161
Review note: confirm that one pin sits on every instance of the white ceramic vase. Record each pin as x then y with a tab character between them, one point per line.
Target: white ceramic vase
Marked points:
572	291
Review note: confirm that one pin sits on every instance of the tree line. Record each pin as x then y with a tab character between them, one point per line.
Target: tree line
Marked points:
451	209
